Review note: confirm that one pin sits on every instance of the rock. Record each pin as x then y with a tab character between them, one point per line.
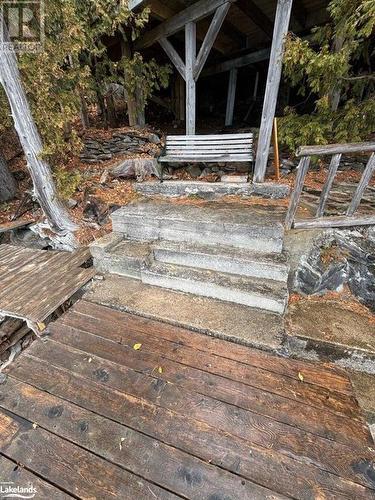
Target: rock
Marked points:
104	156
234	178
71	203
338	258
138	168
155	139
205	171
194	170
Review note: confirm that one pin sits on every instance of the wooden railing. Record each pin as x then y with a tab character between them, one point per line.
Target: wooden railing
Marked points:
319	220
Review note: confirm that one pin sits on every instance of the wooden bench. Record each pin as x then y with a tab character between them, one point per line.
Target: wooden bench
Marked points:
207	148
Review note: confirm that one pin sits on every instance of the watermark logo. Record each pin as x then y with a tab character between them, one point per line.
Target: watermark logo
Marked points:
25	22
10	490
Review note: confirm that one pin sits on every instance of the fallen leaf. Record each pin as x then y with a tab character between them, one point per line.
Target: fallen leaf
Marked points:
90	359
35	425
160	369
300	376
41	326
136	347
121	441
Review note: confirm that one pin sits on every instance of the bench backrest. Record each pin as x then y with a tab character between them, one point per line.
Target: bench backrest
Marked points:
230	147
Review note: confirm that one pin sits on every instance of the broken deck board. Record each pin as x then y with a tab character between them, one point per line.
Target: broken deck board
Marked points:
185	415
34	283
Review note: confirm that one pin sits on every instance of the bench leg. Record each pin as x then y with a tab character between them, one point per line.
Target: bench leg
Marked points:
250	174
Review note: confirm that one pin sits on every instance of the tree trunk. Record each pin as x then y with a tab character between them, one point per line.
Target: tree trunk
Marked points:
8	185
44	187
136	108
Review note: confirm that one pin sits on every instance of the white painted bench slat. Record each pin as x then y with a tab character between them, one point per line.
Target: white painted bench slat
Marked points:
232	147
208	148
209	137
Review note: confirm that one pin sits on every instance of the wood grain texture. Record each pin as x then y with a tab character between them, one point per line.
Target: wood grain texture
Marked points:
34	283
280	473
331	400
183	415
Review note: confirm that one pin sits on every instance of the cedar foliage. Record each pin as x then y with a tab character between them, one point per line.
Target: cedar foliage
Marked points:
74	64
335	69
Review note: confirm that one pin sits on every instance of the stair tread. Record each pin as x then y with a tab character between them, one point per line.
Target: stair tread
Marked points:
131	249
213	214
235	322
222	251
257	286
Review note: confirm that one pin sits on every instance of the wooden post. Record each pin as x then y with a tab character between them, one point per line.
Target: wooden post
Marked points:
44	186
303	167
276	150
190	56
231	96
335	162
283	11
363	183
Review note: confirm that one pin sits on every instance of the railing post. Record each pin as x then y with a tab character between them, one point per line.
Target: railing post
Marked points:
303	167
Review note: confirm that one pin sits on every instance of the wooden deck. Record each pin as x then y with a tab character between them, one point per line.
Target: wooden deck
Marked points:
116	406
34	283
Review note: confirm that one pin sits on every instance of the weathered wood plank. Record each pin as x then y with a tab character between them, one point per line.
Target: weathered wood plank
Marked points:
334	149
340	221
252	376
66	465
280	473
303	168
231	96
334	165
140	383
238	62
362	185
173	56
154	460
318	374
283	11
17	475
172	428
205	158
256	14
208	137
191	14
209	40
190	58
16	224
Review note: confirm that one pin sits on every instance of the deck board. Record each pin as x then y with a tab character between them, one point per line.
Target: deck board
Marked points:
185	415
34	283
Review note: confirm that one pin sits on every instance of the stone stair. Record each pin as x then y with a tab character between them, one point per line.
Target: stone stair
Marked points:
217	251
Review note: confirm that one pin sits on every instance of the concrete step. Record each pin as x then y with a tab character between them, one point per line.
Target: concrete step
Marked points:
216	318
253	292
216	224
223	259
116	255
212	190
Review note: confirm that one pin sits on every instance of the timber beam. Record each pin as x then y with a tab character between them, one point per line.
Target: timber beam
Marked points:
238	62
257	16
283	12
192	14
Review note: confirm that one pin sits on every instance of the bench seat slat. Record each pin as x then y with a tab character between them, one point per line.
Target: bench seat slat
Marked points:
208	148
192	152
209	137
205	158
193	147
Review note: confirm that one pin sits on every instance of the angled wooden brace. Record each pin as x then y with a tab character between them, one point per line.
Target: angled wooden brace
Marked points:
210	38
173	56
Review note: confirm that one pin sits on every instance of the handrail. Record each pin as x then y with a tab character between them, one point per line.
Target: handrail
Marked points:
336	150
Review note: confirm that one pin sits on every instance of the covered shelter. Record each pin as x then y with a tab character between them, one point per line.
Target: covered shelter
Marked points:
208	37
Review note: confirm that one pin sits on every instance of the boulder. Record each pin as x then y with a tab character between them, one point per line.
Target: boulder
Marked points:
338	258
138	168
